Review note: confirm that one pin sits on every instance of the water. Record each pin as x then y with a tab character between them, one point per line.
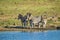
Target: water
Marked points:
16	35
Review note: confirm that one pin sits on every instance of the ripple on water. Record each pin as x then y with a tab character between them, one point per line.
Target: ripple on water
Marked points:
44	35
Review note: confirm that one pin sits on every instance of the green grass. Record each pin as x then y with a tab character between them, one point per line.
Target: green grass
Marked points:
37	7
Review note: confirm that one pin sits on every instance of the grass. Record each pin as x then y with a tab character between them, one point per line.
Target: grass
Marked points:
9	9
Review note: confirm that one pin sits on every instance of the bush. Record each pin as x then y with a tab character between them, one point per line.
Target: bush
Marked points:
1	13
50	21
58	18
1	23
6	27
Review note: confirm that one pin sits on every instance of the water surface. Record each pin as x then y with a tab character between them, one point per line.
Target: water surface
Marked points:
16	35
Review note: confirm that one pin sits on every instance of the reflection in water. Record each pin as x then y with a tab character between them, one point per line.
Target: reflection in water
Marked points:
16	35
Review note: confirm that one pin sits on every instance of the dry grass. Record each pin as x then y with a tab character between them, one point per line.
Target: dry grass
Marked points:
9	9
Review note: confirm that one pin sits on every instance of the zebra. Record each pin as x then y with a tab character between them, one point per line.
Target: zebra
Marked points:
23	20
36	20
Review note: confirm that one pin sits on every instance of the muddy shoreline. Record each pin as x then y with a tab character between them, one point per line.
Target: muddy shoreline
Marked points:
26	29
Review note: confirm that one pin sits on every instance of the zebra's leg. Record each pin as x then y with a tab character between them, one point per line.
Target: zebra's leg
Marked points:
39	25
25	24
32	25
45	22
44	25
22	24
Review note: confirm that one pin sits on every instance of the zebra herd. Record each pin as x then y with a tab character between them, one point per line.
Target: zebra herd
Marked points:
33	20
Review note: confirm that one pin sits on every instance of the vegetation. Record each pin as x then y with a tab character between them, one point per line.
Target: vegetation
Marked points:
9	9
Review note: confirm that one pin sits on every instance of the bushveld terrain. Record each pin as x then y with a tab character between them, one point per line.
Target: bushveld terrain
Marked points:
9	10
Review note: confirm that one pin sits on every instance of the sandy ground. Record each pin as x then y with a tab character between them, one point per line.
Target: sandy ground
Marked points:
27	29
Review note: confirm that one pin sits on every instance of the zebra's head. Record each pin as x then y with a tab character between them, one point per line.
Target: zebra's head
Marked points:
20	16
